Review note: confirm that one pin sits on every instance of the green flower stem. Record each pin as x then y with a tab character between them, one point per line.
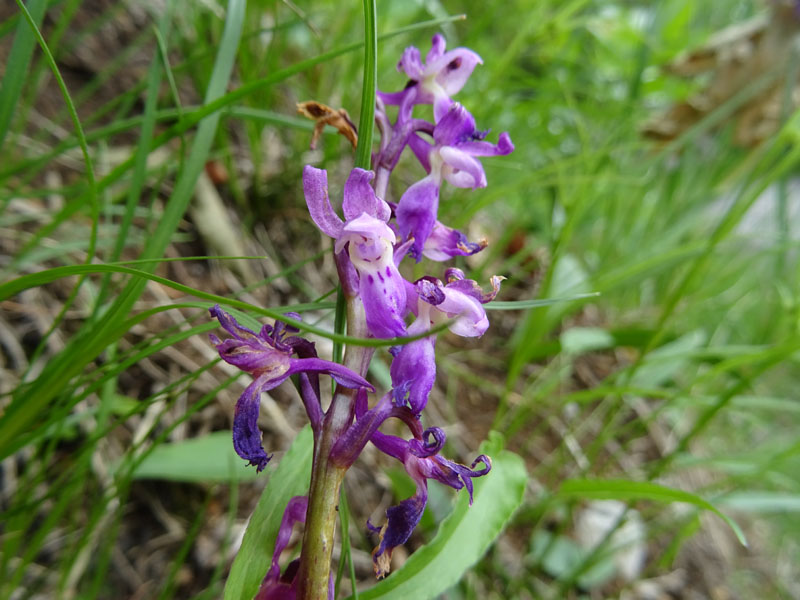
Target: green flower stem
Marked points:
326	478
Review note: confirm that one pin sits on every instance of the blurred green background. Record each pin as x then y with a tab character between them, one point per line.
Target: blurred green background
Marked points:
180	142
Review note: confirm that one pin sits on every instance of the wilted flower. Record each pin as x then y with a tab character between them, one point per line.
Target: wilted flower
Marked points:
422	461
267	356
419	455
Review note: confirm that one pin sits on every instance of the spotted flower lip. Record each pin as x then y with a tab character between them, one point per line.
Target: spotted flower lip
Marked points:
268	357
433	82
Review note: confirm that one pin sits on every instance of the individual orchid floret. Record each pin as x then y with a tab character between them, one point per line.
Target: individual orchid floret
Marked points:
451	157
369	241
460	300
268	357
422	462
277	586
442	75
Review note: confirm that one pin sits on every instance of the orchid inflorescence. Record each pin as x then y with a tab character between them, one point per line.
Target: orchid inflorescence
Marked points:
370	242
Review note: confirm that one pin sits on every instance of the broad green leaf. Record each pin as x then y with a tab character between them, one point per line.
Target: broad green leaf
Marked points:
465	535
622	489
290	479
208	458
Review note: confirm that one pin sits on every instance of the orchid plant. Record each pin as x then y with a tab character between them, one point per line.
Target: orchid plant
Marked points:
372	238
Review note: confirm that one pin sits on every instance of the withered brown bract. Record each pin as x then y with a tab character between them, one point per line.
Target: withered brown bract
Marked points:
325	115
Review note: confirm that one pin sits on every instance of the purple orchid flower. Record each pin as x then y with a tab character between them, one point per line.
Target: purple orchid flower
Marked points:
413	369
370	245
456	143
422	462
267	356
442	75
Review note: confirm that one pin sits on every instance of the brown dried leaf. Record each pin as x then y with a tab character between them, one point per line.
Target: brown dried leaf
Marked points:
325	115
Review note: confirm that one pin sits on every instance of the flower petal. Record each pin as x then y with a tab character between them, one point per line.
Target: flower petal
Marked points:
341	374
359	197
400	523
413	373
438	44
383	293
366	232
456	281
456	127
246	434
444	243
232	326
461	170
416	212
411	63
454	68
471	320
315	188
503	147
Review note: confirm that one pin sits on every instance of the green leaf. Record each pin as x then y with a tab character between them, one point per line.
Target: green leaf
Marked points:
366	121
208	458
290	479
16	65
523	304
762	501
465	535
622	489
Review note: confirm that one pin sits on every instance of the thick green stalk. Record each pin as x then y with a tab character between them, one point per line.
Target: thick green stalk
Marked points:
326	478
